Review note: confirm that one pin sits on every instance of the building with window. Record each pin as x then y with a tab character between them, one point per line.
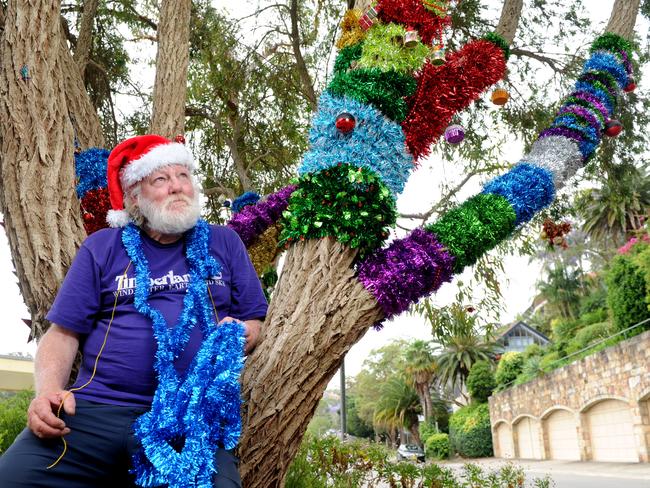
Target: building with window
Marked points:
518	336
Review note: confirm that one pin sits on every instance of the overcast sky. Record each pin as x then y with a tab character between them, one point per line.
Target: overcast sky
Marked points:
518	285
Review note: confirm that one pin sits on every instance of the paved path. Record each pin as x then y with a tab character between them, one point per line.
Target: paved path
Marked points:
573	474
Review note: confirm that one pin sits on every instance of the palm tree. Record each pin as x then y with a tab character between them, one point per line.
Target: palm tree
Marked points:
398	406
421	367
460	351
563	289
618	207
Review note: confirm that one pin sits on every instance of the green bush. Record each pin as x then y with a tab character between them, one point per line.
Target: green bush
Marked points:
426	429
469	431
509	367
548	361
593	317
533	350
595	299
592	333
13	417
626	294
530	370
480	381
436	446
564	329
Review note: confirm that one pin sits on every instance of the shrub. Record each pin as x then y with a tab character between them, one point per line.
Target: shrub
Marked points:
593	317
13	417
533	350
564	329
436	446
530	370
509	367
549	361
427	429
480	381
592	333
469	431
626	294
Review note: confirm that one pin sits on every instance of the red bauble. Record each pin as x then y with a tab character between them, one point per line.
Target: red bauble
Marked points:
88	217
630	87
180	139
345	122
613	128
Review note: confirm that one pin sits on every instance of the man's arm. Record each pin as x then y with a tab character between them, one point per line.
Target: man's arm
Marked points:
54	357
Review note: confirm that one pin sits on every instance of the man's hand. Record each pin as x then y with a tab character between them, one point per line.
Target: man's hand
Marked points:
41	415
251	332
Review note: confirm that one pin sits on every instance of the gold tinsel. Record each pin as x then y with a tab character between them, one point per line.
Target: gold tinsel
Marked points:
352	31
264	250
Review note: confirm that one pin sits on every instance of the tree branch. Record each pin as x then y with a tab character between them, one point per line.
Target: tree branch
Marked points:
305	78
509	20
85	39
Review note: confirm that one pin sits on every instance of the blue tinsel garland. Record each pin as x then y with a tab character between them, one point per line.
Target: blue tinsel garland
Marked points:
376	142
606	61
90	169
527	187
202	410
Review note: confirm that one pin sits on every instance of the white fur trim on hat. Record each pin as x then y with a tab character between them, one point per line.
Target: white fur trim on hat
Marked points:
117	218
156	157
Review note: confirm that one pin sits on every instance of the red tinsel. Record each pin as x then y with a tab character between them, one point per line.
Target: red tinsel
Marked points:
411	13
445	90
94	206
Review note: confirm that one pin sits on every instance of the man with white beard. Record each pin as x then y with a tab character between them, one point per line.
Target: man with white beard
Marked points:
141	301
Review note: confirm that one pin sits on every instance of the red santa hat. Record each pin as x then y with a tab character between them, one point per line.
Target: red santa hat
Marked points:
133	160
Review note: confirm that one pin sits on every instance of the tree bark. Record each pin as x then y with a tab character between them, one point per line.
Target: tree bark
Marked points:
85	122
318	312
509	20
39	202
623	18
172	59
85	39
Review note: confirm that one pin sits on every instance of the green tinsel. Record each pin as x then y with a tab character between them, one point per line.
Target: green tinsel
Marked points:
587	105
385	90
384	49
346	56
601	86
611	42
475	227
603	77
495	38
348	203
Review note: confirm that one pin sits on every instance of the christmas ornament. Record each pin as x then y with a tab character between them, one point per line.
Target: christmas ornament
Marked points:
555	233
180	139
613	128
345	122
437	57
368	18
499	96
631	86
411	38
454	134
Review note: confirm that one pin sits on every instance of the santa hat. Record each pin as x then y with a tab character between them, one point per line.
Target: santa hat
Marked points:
135	159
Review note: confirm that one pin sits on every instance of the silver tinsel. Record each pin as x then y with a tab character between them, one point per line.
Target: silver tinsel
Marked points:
557	154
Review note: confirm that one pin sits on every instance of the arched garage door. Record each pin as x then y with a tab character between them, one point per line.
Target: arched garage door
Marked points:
611	432
562	432
528	439
504	436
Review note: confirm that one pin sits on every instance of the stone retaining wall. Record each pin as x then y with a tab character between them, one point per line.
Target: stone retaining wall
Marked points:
620	372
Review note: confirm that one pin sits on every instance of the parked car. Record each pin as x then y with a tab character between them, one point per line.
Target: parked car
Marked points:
410	452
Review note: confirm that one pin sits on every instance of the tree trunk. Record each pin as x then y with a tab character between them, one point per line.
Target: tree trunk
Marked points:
86	125
85	39
623	18
509	20
39	202
318	312
170	88
301	66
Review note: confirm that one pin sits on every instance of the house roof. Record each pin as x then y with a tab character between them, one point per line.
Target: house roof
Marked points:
507	330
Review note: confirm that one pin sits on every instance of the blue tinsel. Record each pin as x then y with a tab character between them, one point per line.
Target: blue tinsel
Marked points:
248	198
202	409
570	122
604	97
90	169
527	187
606	61
375	143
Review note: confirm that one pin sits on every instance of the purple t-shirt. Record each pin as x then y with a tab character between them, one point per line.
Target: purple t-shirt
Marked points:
84	304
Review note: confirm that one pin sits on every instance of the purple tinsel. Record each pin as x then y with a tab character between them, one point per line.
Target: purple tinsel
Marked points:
253	220
592	77
582	112
626	62
588	97
564	132
407	270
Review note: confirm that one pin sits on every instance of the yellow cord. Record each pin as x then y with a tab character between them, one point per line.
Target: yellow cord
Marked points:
69	392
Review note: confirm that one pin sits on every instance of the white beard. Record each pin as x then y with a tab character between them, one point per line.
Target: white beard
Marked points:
161	218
